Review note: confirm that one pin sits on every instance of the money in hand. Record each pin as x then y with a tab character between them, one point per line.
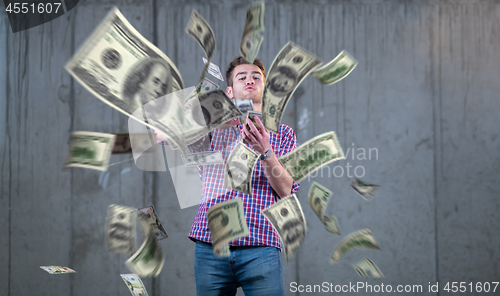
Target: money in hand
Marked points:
366	190
134	284
252	34
318	199
226	221
90	150
149	214
288	220
120	229
289	68
335	70
313	154
367	269
359	239
203	158
57	269
239	169
199	29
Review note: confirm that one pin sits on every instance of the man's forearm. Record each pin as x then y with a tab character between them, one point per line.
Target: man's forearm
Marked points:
278	177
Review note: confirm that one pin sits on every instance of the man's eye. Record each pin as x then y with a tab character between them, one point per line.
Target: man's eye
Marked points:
241	78
257	78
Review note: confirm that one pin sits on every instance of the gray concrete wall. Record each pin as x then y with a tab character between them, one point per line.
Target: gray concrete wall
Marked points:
424	97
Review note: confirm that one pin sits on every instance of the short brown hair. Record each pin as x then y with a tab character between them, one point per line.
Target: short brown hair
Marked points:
239	60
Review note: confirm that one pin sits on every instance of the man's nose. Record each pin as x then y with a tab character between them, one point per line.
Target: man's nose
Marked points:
250	81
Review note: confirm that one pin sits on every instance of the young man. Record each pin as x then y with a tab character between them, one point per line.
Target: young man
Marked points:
255	261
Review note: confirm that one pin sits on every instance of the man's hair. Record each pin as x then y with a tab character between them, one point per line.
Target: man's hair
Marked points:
239	60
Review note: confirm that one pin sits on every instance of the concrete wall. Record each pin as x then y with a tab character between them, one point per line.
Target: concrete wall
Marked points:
424	97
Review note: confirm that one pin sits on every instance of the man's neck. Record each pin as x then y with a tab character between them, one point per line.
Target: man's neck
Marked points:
257	107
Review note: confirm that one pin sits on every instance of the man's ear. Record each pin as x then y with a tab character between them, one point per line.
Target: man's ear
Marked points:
229	92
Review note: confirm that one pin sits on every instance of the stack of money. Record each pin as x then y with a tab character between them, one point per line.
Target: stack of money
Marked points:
318	199
252	34
288	220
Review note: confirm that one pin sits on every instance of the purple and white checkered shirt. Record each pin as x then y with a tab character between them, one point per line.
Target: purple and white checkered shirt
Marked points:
213	191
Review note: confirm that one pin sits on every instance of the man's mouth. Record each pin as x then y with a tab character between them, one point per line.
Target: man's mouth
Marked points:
249	88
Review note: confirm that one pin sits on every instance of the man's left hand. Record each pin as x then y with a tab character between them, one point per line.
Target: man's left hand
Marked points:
258	140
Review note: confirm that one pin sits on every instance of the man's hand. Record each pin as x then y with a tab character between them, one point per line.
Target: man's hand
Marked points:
160	137
257	139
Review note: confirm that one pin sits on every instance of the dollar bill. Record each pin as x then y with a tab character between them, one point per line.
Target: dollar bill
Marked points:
205	113
244	106
367	269
90	150
126	71
223	251
312	155
318	199
199	29
366	190
153	222
288	220
203	158
57	269
207	85
252	34
358	239
289	68
120	229
226	221
134	284
213	70
239	169
124	143
149	259
336	70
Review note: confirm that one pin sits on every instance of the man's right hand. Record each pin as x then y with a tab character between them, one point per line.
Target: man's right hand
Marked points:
160	137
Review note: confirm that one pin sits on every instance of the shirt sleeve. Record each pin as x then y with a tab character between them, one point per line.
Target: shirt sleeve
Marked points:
288	144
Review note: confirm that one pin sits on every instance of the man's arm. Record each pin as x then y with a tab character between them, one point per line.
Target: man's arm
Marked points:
278	177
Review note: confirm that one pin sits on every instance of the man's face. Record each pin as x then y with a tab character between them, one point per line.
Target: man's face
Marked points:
248	83
155	84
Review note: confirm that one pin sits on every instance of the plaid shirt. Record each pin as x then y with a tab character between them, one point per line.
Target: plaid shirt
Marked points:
213	191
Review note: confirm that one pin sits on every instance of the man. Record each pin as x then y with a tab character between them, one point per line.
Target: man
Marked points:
255	261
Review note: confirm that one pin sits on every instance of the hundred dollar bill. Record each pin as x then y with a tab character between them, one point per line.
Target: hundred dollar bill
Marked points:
126	71
226	221
359	239
90	150
244	106
318	199
312	155
134	284
222	251
199	29
148	260
366	190
289	68
213	70
207	85
239	169
120	229
287	218
125	142
252	34
205	113
57	269
202	158
336	70
366	268
151	217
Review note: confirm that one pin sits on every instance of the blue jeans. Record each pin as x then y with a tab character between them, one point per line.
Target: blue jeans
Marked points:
257	270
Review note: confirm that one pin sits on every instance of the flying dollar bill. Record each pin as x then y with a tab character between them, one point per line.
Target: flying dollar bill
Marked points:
90	150
318	199
203	158
199	29
366	190
151	217
239	169
252	34
226	221
120	229
213	69
126	71
336	70
207	85
289	68
223	251
312	155
149	259
367	269
358	239
57	269
134	284
288	220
